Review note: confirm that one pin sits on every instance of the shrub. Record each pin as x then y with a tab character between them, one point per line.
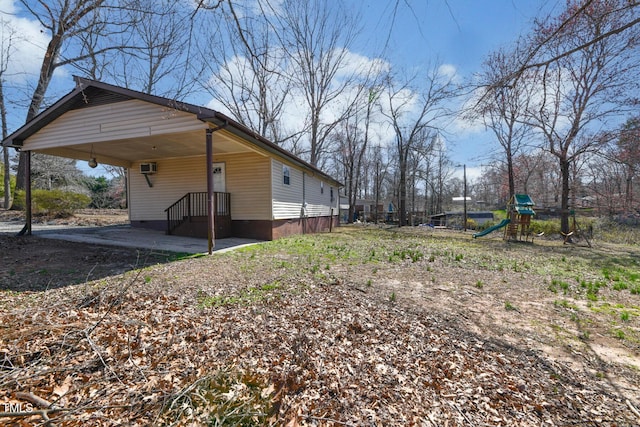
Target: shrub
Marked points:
549	227
611	231
485	225
54	203
12	182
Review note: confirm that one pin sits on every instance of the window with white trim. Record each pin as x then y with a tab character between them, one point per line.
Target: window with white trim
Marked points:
321	187
286	175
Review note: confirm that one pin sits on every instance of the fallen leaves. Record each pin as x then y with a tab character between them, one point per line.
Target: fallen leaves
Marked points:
314	351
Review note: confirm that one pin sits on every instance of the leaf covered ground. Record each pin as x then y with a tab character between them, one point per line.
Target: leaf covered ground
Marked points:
362	326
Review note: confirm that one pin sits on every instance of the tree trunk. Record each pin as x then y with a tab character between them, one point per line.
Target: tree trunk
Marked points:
629	190
5	151
564	198
512	183
351	194
46	72
402	193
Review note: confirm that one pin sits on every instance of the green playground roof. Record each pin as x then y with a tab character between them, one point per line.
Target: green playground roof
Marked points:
523	200
525	210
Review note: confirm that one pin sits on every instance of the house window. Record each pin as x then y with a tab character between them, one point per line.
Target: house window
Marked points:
286	175
331	194
321	187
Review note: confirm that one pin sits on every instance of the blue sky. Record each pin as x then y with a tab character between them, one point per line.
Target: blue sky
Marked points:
457	33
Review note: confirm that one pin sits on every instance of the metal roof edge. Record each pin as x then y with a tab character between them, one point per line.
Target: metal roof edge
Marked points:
220	119
202	113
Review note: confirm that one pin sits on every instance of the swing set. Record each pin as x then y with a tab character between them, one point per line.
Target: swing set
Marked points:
517	224
575	234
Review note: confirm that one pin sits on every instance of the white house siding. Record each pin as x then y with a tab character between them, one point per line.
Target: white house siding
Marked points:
174	179
110	122
247	179
287	199
318	199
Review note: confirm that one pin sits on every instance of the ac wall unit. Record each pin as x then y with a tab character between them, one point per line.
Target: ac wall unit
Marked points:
148	168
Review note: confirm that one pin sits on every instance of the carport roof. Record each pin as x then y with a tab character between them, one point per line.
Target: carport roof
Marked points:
91	93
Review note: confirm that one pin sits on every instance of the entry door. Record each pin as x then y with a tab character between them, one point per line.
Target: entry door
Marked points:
219	181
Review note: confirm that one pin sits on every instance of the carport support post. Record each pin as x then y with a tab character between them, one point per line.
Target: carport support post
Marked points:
27	195
210	211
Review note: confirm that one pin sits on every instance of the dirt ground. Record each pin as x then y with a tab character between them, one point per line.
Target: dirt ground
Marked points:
503	349
34	264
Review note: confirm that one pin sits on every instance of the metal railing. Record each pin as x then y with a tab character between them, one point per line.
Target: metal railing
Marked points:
195	205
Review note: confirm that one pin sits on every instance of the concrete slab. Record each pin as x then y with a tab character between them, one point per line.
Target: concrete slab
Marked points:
131	237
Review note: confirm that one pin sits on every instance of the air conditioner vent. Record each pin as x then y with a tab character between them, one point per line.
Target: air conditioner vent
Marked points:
148	168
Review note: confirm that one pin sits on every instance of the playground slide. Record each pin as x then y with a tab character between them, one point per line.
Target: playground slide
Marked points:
491	229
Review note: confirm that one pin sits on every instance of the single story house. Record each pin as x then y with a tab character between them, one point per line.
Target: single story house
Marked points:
364	210
191	170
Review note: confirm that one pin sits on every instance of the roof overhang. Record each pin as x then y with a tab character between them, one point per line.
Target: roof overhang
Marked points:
230	136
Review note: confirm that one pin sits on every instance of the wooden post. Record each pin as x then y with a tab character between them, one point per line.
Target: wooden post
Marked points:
27	196
210	211
331	221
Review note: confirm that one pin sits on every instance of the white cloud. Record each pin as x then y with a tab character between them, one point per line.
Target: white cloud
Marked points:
449	71
360	65
27	39
473	172
7	7
294	116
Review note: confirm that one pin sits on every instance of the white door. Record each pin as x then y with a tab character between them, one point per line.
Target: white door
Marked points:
219	184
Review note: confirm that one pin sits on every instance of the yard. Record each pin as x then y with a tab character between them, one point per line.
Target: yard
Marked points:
362	326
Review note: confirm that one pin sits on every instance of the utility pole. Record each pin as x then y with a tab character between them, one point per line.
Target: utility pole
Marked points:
464	177
377	188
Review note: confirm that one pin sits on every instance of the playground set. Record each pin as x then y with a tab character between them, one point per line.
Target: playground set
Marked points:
517	225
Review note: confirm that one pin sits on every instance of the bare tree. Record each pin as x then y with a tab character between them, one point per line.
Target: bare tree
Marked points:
156	48
51	172
317	37
606	182
526	165
65	21
580	91
414	113
247	68
7	35
625	24
628	154
441	171
503	108
352	143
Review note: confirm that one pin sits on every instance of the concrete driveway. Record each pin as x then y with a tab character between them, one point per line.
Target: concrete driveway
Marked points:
127	236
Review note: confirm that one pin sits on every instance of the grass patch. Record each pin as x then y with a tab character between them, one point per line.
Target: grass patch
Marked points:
510	307
248	296
227	397
619	333
565	304
556	283
406	254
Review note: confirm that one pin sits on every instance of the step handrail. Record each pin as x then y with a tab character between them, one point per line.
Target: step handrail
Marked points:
195	204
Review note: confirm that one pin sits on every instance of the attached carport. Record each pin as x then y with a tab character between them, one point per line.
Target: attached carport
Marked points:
172	130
